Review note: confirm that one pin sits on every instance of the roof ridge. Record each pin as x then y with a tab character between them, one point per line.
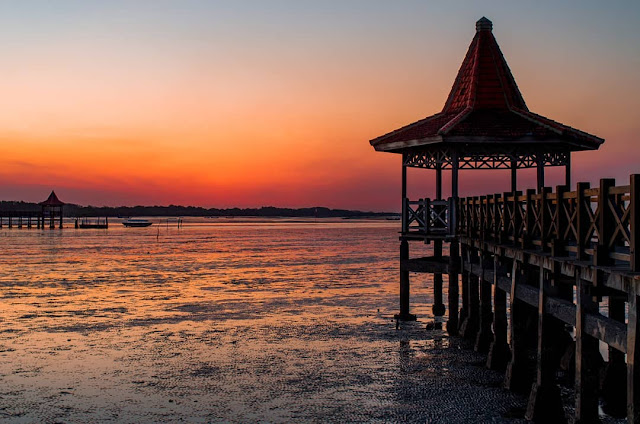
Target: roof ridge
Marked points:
377	140
455	120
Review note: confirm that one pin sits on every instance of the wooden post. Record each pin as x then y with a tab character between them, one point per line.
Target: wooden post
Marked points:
614	387
582	220
586	364
545	220
470	325
540	168
464	275
454	261
528	219
499	351
404	197
567	172
454	175
498	229
404	285
481	216
560	223
634	222
484	338
517	219
633	359
545	403
438	308
514	176
517	377
61	216
606	224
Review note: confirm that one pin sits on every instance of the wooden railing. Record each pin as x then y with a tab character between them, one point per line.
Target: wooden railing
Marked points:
591	224
428	217
601	224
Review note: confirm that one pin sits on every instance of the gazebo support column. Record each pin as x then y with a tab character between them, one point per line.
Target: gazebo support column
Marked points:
567	172
514	175
454	254
540	168
405	291
438	305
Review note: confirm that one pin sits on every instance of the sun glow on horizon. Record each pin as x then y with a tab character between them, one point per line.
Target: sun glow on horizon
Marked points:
217	105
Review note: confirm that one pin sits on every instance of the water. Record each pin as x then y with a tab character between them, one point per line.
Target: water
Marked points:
225	321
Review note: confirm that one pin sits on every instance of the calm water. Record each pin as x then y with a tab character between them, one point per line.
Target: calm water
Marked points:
221	320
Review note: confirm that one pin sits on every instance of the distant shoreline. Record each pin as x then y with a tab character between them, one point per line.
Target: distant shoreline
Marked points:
71	210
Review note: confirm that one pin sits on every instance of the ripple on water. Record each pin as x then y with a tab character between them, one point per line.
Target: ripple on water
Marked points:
274	322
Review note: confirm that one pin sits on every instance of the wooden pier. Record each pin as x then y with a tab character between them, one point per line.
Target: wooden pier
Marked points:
50	212
556	260
536	278
22	219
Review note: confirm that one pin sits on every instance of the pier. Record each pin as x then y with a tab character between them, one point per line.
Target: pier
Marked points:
51	210
20	219
537	278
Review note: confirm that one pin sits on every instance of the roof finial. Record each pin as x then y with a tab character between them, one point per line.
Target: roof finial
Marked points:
484	24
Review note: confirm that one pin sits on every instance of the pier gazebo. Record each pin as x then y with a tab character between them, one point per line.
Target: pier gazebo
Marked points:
555	256
485	124
51	208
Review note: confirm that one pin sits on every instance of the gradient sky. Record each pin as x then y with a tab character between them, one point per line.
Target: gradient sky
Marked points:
250	103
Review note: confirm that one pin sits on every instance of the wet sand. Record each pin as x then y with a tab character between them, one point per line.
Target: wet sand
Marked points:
277	323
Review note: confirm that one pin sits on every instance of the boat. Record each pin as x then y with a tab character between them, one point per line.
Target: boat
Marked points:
136	222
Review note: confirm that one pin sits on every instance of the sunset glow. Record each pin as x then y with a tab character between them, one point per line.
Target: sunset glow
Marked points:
273	103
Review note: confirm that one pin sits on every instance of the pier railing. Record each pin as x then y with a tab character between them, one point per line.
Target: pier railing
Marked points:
427	217
600	224
590	224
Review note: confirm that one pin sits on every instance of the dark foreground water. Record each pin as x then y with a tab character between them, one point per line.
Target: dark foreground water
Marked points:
227	321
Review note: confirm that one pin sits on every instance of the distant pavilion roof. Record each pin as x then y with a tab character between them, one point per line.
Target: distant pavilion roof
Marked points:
485	106
52	200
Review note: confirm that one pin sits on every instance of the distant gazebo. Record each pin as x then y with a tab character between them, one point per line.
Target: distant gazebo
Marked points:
51	208
485	124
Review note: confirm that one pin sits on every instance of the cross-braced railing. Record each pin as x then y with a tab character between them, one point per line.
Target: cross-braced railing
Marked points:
428	217
599	224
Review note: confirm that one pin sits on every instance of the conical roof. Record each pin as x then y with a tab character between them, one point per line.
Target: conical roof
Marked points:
52	200
486	106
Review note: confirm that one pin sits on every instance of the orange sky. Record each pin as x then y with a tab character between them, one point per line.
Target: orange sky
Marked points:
220	105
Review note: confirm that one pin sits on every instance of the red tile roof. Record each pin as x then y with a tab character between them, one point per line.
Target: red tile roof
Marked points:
485	105
52	200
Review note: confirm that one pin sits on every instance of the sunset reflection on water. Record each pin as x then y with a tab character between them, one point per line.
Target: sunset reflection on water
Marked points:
218	320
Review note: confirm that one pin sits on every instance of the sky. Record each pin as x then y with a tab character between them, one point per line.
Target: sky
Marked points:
252	103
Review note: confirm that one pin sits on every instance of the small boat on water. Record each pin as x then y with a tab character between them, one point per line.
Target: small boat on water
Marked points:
136	222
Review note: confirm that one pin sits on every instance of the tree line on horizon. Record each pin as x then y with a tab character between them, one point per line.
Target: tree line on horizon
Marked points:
72	210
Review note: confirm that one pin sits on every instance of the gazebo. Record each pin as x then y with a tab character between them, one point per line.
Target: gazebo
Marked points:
52	207
485	124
